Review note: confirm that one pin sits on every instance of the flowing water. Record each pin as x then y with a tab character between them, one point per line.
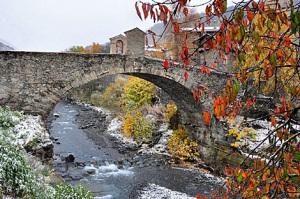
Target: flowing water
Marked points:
105	171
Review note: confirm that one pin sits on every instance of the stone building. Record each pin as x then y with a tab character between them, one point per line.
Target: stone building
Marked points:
132	43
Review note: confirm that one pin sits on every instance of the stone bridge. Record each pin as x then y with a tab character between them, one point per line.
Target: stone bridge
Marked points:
36	81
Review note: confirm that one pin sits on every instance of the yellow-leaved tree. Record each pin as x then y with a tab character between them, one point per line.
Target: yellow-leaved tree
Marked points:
138	92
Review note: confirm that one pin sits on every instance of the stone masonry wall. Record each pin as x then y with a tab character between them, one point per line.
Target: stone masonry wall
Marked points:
35	82
135	42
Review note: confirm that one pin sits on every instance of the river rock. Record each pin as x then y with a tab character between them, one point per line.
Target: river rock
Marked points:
89	170
56	115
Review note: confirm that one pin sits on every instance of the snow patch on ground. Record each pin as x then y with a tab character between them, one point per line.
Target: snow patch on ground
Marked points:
95	108
158	192
29	129
114	129
262	129
162	146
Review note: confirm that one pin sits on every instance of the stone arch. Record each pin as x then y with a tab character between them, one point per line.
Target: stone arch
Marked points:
36	81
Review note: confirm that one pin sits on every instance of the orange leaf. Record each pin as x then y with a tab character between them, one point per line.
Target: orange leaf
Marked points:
267	187
269	72
199	196
292	191
266	175
206	118
273	121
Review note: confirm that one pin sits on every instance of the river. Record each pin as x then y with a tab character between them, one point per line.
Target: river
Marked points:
107	169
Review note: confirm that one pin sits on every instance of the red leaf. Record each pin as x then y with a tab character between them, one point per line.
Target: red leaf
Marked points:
166	64
176	27
208	12
287	41
250	15
218	39
138	10
185	55
254	4
185	11
195	95
248	103
182	2
145	10
210	44
186	75
261	6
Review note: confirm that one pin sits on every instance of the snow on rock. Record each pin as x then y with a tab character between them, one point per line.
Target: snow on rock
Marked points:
158	192
31	134
114	129
161	146
259	128
95	108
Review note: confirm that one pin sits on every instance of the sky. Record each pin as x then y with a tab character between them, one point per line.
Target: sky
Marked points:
55	25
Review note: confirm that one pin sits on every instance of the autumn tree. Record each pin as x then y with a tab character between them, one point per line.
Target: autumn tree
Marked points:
94	48
76	49
263	37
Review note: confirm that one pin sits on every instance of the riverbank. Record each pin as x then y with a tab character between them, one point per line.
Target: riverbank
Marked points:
115	168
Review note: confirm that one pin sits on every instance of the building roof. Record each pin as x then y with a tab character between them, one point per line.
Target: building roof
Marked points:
206	29
118	36
134	29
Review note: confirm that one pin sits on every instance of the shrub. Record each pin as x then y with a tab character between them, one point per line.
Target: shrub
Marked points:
65	191
8	118
137	92
137	126
15	174
128	123
181	146
170	111
17	177
112	96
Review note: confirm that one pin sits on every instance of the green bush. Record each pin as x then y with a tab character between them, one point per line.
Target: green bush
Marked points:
15	174
17	178
65	191
8	118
